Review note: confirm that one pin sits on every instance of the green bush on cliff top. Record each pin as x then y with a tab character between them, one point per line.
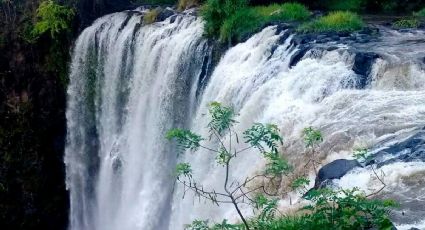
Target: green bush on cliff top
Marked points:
215	12
339	21
248	20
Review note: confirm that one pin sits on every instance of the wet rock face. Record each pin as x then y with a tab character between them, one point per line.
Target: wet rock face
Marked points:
408	150
164	14
362	66
334	170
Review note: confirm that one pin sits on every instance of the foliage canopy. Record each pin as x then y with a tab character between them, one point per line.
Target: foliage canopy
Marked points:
53	18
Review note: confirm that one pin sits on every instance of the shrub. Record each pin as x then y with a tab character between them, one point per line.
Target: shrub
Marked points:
346	209
264	138
215	12
249	20
52	18
406	23
293	12
284	12
342	209
244	22
150	16
339	21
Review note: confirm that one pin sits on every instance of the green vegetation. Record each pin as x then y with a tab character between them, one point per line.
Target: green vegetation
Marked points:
264	138
150	16
55	21
52	18
239	22
406	23
327	209
284	12
215	12
343	209
244	22
420	13
339	21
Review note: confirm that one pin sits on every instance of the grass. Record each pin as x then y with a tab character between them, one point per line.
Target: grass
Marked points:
406	23
215	12
339	21
150	16
248	20
283	12
244	22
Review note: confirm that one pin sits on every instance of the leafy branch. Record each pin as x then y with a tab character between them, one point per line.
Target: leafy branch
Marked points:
362	155
265	138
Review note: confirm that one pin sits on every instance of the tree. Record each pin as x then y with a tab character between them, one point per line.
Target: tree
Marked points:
264	138
52	18
340	209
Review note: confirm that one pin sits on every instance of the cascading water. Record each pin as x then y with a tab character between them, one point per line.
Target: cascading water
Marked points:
131	83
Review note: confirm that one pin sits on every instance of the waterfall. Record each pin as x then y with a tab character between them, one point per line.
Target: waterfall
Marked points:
130	83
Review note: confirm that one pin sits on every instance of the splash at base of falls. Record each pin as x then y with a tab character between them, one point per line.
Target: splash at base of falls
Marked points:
130	83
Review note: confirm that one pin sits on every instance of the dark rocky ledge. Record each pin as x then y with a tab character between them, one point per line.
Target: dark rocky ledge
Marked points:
334	170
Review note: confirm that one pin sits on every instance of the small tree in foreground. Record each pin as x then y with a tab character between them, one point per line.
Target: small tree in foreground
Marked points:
327	209
263	138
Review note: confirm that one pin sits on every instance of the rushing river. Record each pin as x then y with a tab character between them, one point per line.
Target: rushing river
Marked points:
130	83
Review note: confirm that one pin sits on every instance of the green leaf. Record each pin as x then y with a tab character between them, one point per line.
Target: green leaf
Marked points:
276	165
225	226
197	225
269	209
183	169
261	136
185	138
221	118
300	182
52	18
223	156
312	137
260	201
361	154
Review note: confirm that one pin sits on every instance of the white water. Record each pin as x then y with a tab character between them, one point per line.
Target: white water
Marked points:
120	172
119	165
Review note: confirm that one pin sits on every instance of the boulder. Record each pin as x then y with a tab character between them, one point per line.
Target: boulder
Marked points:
408	149
362	66
298	55
334	170
164	14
